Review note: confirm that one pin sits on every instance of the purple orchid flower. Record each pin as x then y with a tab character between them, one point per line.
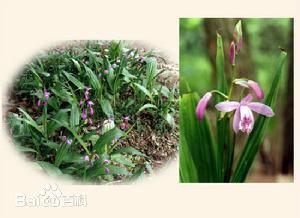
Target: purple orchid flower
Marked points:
106	161
87	93
81	103
251	85
126	119
46	94
243	117
90	103
39	103
84	114
86	158
69	141
91	111
202	105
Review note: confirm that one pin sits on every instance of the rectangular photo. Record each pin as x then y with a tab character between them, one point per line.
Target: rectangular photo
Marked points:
236	100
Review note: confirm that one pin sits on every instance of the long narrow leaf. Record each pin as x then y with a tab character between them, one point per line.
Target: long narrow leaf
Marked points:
255	138
223	124
199	145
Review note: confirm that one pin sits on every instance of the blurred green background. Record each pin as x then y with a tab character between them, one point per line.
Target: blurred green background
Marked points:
263	39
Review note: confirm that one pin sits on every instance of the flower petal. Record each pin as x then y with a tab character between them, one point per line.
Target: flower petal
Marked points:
247	119
236	120
227	106
247	99
202	105
261	109
256	88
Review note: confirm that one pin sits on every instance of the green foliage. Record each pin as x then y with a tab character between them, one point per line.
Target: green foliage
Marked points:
92	86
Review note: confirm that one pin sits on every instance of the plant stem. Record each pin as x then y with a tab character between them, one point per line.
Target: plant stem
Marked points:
233	69
219	93
45	121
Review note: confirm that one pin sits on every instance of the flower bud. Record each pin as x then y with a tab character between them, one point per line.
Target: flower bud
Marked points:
232	54
238	35
202	105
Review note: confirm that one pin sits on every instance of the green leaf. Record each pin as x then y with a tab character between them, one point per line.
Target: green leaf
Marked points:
79	139
143	89
75	115
75	81
77	65
146	106
187	170
25	149
62	151
129	150
170	119
223	123
122	160
118	171
106	107
61	116
107	138
151	71
72	157
30	121
93	78
53	102
197	145
256	136
49	168
99	170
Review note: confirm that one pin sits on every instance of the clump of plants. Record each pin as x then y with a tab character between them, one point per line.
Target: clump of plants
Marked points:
77	107
208	156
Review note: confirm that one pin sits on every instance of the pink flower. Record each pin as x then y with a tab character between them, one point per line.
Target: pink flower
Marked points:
106	72
46	94
106	161
126	119
87	93
202	105
90	103
39	103
86	158
91	111
243	117
232	53
81	103
69	141
252	85
84	114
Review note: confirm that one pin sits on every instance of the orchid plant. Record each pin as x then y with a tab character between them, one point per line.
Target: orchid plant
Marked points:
82	104
204	158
